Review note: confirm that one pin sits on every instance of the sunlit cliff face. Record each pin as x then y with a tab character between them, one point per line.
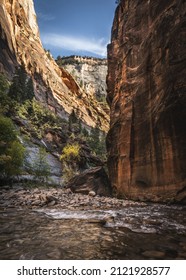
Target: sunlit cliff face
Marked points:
19	35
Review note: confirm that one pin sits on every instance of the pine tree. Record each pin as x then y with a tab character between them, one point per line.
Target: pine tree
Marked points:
72	119
21	88
29	89
4	98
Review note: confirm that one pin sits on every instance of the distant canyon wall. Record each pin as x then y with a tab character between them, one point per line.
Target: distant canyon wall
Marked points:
20	44
90	74
147	96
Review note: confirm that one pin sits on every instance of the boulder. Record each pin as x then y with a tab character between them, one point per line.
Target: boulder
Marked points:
92	180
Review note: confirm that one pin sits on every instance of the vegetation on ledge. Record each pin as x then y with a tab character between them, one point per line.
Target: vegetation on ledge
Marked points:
23	117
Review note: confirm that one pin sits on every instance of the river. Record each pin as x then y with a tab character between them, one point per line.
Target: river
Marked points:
151	231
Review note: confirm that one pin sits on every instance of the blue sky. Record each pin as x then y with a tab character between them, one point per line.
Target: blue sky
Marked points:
80	27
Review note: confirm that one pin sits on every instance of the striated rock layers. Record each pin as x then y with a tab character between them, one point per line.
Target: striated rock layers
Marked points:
90	73
20	44
147	95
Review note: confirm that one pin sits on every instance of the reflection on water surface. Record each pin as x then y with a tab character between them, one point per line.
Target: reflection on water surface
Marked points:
151	232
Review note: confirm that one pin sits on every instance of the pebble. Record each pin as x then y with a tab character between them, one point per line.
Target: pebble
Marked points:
92	193
52	203
58	198
36	203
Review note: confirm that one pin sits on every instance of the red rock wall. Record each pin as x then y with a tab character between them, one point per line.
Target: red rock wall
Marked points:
147	95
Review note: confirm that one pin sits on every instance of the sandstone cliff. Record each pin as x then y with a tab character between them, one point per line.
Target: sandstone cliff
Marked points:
89	72
147	96
21	44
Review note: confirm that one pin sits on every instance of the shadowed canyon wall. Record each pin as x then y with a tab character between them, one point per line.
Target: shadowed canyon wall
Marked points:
20	44
147	96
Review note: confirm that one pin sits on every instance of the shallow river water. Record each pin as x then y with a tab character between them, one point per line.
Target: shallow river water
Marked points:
135	232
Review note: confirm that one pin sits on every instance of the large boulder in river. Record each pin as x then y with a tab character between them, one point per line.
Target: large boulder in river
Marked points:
91	180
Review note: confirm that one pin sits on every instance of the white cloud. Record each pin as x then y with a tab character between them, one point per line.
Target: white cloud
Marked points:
75	43
45	17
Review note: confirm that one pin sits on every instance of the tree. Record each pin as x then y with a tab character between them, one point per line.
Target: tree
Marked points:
72	119
29	89
4	98
21	88
3	83
40	166
7	129
94	138
11	150
16	153
96	141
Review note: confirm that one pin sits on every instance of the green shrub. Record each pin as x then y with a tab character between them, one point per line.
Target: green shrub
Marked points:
96	141
16	152
70	152
7	130
3	83
39	117
4	98
69	171
11	150
70	158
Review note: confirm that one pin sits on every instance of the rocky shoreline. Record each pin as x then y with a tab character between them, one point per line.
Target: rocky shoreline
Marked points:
58	198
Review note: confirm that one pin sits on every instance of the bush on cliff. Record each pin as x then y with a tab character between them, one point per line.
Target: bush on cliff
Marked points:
70	158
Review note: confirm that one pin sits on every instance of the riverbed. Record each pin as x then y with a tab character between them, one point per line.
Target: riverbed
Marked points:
115	229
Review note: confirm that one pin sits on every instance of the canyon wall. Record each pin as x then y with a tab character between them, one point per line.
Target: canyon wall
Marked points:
90	73
147	96
21	44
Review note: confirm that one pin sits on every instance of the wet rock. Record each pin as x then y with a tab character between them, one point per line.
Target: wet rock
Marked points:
91	180
154	254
